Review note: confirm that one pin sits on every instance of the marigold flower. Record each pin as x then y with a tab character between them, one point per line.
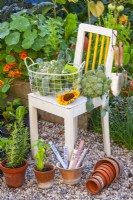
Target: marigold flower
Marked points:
1	83
67	97
6	68
23	55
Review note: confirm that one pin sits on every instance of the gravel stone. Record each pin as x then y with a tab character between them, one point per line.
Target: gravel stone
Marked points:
121	189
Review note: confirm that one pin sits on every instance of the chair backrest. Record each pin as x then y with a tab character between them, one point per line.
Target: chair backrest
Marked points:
100	47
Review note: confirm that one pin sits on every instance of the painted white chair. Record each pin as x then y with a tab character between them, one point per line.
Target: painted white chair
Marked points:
104	38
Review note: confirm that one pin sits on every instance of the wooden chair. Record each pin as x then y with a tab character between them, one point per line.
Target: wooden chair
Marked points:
102	40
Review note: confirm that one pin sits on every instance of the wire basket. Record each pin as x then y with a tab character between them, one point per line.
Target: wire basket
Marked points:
46	83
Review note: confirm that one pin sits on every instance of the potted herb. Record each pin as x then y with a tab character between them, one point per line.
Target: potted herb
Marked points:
44	172
15	165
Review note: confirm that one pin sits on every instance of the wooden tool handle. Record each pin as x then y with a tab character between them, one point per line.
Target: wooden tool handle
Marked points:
121	49
116	56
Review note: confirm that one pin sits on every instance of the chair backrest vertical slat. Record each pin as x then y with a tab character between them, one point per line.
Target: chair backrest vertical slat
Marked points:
100	48
88	53
95	52
106	50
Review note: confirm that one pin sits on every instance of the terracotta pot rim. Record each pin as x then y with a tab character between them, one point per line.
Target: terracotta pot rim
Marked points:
12	170
108	160
93	191
119	163
58	165
108	170
49	164
101	181
102	176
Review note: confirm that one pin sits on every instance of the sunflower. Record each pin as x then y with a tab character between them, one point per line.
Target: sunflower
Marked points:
67	97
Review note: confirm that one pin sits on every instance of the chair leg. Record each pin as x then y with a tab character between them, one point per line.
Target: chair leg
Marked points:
70	125
106	136
33	127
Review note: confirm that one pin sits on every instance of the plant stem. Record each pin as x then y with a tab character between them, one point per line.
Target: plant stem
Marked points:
89	14
54	2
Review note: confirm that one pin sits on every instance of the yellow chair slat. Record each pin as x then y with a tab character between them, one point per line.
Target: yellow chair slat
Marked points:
95	52
101	50
106	50
88	53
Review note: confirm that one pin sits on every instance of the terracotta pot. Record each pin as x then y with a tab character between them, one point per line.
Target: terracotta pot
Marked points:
14	176
70	176
101	175
86	42
45	179
111	167
119	163
109	171
111	161
93	186
104	173
101	181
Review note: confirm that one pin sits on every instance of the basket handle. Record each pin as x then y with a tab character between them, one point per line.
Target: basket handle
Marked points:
82	65
25	61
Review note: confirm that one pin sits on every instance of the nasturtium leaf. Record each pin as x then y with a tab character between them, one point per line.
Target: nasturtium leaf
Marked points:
12	38
30	34
5	87
32	53
18	48
20	23
27	43
10	59
4	29
38	44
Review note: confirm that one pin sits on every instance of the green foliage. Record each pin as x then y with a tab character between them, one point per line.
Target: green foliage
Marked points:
94	83
18	146
41	157
121	121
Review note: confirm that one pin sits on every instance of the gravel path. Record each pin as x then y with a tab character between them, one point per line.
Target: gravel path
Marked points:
121	189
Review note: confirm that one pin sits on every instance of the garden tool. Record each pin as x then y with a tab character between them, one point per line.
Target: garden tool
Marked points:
118	79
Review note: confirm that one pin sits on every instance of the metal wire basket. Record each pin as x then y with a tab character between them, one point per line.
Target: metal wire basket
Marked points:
46	83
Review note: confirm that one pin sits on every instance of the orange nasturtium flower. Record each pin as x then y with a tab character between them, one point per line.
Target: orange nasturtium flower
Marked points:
1	83
67	97
11	74
126	92
6	68
17	73
23	55
12	64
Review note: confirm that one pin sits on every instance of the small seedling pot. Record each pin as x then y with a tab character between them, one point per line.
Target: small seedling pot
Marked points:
108	170
45	179
101	175
70	176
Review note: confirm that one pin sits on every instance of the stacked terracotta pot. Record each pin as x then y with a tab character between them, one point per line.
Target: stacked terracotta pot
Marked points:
105	172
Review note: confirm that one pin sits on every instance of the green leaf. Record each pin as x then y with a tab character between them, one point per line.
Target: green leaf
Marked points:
126	58
32	53
38	44
89	105
61	1
20	23
13	38
27	43
30	34
0	45
5	88
20	113
131	55
10	59
70	25
18	48
96	9
4	29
